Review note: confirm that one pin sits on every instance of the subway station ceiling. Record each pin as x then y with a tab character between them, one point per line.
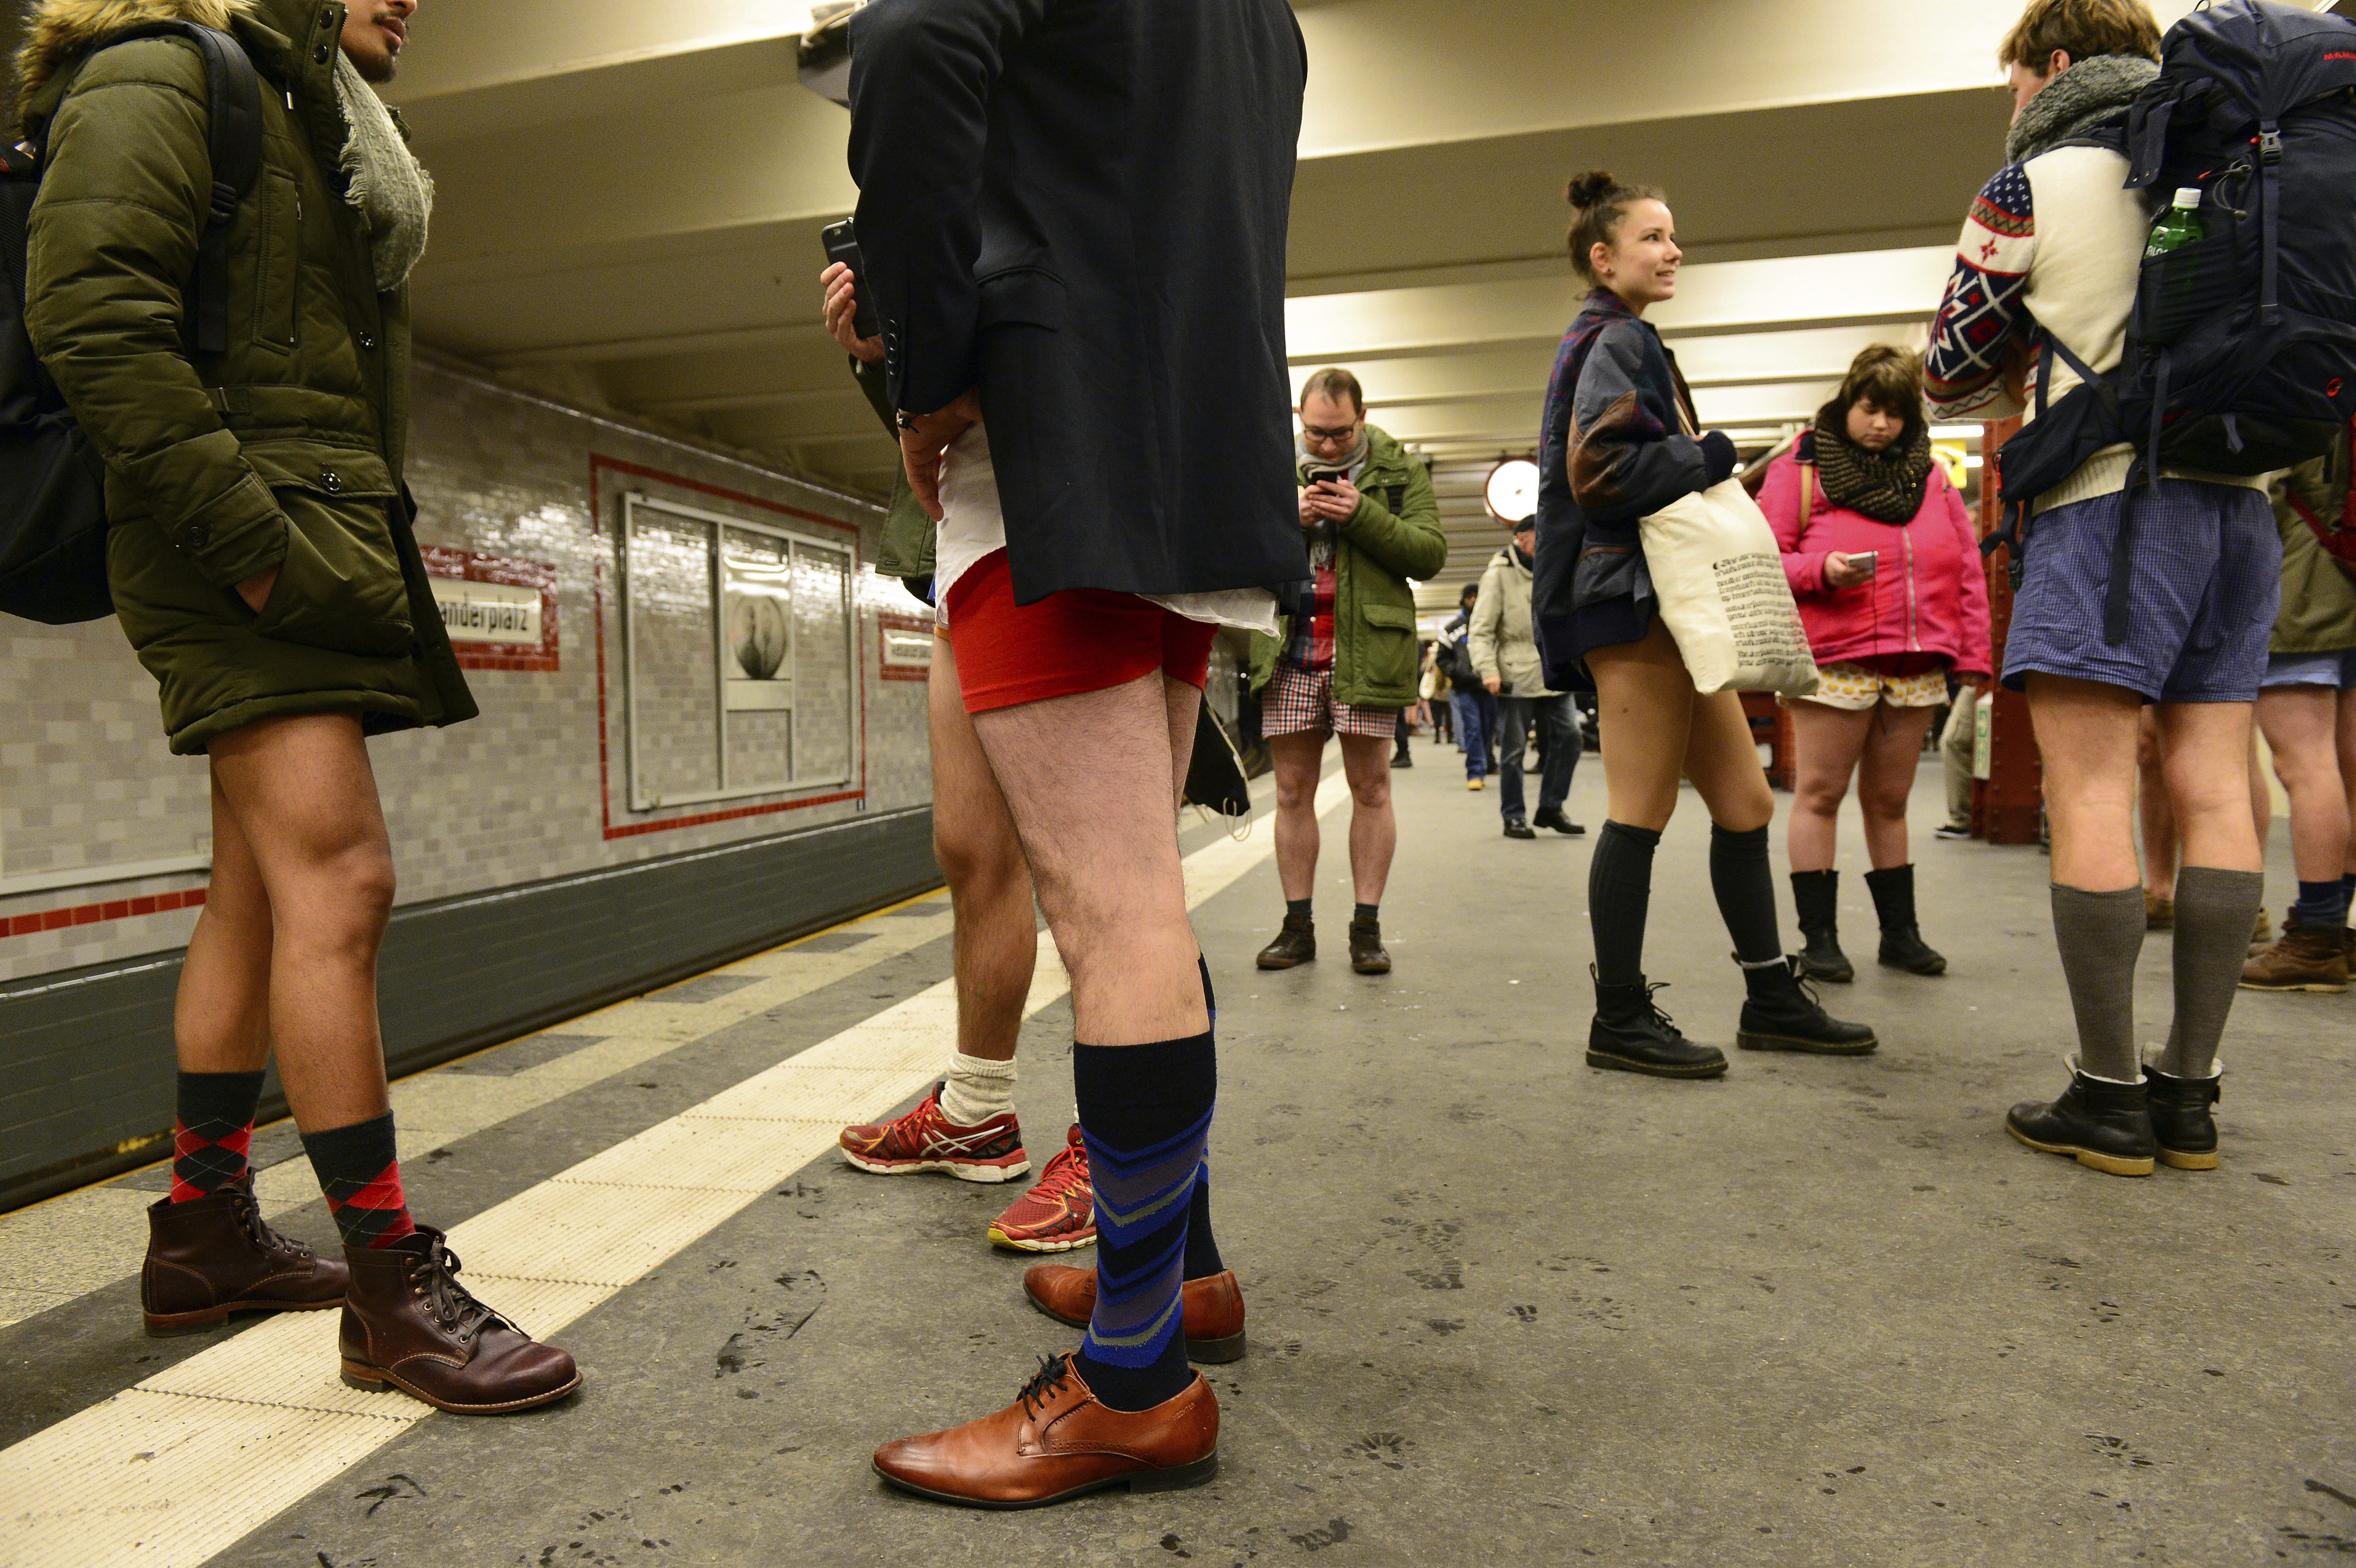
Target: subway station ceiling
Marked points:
631	195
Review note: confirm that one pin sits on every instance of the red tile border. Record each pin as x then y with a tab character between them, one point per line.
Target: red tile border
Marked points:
91	915
884	668
465	566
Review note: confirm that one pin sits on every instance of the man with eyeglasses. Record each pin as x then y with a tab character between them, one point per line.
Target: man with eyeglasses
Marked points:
1344	662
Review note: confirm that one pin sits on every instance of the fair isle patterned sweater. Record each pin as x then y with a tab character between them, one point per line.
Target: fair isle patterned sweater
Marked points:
2053	244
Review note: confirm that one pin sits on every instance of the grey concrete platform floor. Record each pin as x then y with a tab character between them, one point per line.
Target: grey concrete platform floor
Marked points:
1508	1310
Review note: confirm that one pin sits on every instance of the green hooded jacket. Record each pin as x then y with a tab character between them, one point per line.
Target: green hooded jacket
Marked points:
284	451
1374	609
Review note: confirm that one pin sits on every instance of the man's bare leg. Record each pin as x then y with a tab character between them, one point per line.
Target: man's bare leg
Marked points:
2301	725
1373	827
969	1128
997	937
2158	818
1297	760
1089	780
303	798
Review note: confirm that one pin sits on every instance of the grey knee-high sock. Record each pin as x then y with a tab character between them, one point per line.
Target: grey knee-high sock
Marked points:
2100	937
2215	911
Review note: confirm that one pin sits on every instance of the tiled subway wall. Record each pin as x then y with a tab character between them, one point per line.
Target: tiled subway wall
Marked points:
539	785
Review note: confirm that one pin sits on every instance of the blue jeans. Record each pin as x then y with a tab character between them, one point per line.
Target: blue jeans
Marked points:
1518	718
1472	733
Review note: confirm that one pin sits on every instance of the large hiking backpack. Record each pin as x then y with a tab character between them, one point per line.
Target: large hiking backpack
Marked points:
52	482
2241	350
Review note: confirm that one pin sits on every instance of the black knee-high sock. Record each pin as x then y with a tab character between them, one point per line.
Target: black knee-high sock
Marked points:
1145	1112
1746	892
214	1132
1202	1248
1619	891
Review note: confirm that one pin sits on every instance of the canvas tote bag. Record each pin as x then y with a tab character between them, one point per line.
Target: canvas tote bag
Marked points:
1719	580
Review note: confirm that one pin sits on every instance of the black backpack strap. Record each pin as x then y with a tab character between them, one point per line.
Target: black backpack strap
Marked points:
2270	157
234	149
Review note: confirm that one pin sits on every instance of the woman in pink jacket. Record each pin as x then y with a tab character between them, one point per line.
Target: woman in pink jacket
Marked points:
1886	567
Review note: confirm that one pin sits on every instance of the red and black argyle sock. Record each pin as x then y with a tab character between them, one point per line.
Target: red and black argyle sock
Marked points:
214	1132
361	1177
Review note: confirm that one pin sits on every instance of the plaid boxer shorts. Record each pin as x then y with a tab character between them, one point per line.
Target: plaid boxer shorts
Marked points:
1300	702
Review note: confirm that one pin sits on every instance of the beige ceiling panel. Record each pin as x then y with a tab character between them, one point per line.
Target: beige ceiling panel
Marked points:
472	46
1388	73
1841	176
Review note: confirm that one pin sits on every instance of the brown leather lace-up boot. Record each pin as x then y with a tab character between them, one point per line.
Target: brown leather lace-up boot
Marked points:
408	1323
214	1255
1367	955
1211	1309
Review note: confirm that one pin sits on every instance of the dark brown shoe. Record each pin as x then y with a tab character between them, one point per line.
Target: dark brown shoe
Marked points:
214	1255
1210	1309
1367	954
409	1324
1056	1442
1295	943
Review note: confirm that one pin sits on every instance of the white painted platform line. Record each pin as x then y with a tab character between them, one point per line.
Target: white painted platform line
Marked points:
169	1473
84	1240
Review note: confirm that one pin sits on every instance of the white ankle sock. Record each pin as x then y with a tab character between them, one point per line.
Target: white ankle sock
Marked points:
976	1090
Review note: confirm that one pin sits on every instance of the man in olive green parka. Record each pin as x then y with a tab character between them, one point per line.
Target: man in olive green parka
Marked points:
1346	659
262	566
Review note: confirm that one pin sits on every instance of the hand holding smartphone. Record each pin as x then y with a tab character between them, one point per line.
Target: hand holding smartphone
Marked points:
1867	562
842	245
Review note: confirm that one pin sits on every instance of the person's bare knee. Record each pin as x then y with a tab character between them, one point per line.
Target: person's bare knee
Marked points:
1367	764
1295	759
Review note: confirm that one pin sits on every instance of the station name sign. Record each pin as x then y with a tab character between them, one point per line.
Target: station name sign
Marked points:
500	610
488	612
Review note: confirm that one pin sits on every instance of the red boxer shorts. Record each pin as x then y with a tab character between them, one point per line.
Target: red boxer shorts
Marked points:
1082	639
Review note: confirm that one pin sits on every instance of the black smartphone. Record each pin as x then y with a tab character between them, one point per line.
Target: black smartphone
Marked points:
842	245
1329	476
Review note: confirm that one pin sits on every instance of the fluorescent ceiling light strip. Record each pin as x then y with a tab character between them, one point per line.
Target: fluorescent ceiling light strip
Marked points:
183	1465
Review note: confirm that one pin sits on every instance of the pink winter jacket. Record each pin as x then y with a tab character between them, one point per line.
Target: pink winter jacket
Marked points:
1928	596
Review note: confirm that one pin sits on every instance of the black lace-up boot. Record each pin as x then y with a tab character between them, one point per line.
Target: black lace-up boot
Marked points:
1781	1013
1816	896
1903	946
1295	943
2182	1129
1631	1034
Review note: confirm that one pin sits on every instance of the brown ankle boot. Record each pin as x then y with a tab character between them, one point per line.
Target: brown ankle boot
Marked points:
408	1322
214	1255
1295	943
2305	959
1367	955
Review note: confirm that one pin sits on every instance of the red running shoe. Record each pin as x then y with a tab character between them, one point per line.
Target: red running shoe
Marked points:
1058	1214
924	1139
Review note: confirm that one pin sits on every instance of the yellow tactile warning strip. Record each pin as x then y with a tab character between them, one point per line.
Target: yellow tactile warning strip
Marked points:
182	1466
79	1242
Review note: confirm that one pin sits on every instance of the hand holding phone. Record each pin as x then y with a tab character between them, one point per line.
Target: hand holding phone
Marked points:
841	244
1868	563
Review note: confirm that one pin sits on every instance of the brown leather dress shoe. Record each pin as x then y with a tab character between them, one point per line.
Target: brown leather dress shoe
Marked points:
214	1255
1367	954
1210	1309
409	1324
1056	1442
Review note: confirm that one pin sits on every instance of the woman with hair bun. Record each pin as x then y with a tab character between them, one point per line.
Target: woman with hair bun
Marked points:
1885	566
1619	444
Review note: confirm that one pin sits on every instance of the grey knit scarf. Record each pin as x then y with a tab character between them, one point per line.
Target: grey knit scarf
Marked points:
392	191
2077	101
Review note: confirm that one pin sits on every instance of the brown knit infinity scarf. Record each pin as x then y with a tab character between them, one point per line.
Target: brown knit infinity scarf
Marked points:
1887	486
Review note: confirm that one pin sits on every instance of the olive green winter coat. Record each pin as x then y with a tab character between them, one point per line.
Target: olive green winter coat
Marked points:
284	451
1375	647
2318	600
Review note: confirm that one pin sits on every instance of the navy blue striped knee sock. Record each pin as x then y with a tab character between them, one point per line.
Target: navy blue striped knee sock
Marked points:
1201	1250
1145	1115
